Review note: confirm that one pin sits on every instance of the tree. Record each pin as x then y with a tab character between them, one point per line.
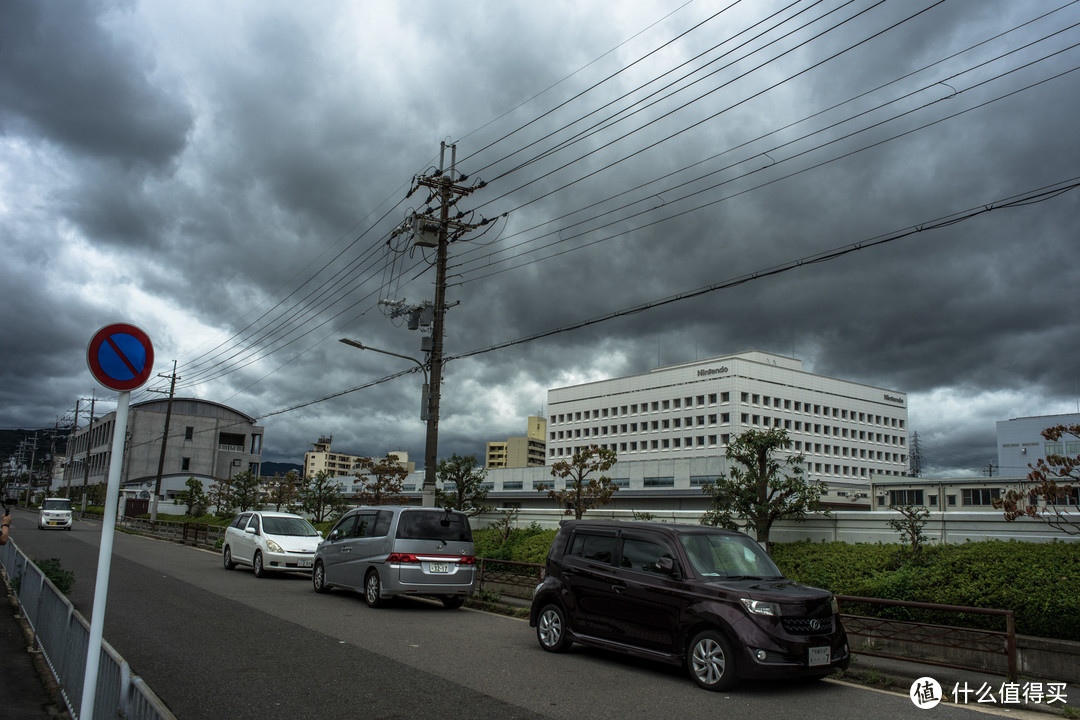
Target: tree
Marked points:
321	496
284	491
465	481
220	496
245	491
910	525
1053	483
760	488
581	492
381	481
193	498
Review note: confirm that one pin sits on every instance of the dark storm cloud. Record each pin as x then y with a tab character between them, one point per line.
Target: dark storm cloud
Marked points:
232	152
78	86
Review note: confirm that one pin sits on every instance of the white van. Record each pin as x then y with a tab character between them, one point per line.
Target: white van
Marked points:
55	514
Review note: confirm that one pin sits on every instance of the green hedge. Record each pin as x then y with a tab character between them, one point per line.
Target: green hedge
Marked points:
1039	582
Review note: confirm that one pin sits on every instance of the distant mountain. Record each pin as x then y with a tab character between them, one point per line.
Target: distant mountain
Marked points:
269	469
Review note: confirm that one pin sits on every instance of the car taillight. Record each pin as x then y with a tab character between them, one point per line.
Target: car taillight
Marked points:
402	559
468	560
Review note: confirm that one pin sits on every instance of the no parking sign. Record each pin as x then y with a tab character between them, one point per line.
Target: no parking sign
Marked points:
120	356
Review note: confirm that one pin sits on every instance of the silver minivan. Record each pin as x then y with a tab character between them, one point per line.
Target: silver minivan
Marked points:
399	550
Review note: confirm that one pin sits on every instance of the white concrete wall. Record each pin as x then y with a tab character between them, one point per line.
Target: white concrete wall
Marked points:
850	526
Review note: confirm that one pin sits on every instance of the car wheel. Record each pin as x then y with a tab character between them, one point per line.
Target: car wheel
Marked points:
373	589
711	662
452	602
551	629
257	565
318	578
226	557
69	528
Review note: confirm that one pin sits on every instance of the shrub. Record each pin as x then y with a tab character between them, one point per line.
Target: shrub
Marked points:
63	579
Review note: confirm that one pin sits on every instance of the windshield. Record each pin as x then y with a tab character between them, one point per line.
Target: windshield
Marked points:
56	505
434	525
288	526
728	556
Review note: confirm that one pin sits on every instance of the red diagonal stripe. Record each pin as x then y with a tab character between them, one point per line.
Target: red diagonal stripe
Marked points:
121	355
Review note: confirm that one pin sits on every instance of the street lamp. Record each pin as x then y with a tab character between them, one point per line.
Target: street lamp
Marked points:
428	492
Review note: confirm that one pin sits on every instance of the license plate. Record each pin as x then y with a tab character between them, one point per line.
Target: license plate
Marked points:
439	567
303	563
53	522
820	656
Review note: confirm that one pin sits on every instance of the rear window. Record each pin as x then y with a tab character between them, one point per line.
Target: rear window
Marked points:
434	525
56	505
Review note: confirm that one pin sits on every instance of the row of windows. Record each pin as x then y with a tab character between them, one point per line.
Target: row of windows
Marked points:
725	419
821	410
746	398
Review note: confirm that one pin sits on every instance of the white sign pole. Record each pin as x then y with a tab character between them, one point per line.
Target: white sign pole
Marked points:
108	529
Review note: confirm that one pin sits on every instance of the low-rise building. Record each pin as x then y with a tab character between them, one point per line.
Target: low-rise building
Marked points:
322	458
516	452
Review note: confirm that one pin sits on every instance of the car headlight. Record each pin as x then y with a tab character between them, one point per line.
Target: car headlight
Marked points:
760	607
273	546
834	605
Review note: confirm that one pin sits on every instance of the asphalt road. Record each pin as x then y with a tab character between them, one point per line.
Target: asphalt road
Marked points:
214	643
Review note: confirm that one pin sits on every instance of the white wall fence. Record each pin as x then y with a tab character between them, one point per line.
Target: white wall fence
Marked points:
851	526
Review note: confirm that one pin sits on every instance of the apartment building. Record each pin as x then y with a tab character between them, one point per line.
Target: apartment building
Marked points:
518	452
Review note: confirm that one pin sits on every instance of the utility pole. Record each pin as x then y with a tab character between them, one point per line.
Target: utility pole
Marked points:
86	463
30	476
164	442
70	460
442	184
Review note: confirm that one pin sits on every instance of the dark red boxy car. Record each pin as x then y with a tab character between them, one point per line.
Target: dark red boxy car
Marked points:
709	599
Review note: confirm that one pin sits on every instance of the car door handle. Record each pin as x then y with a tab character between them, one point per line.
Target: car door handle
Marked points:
346	549
618	587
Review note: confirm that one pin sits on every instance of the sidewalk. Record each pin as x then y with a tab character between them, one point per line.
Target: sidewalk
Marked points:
28	690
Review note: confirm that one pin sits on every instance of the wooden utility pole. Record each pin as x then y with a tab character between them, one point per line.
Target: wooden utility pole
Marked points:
164	443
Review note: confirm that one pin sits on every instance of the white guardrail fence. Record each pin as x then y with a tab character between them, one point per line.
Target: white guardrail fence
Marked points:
63	634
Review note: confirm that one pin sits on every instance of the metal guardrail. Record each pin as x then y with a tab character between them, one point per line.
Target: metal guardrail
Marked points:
509	577
974	640
201	534
63	636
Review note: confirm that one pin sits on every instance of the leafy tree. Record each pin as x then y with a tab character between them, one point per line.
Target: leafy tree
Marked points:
467	495
245	491
1052	482
381	481
284	491
910	524
581	492
322	497
221	497
193	498
760	488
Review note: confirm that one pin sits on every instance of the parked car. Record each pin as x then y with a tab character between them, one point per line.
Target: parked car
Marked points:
399	550
709	599
55	513
270	541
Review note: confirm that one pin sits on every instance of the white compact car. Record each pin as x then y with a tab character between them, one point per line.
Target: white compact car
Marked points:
55	514
270	541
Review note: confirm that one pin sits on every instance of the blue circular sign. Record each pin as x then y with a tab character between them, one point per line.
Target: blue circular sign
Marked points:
120	356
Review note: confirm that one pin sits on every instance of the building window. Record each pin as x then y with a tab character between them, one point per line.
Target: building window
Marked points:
980	496
185	464
712	399
700	480
725	397
189	433
667	482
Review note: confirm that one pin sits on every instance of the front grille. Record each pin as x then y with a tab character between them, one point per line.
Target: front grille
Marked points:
808	626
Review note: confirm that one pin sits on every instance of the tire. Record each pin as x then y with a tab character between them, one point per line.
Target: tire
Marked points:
257	565
711	661
551	630
452	602
226	558
373	589
318	578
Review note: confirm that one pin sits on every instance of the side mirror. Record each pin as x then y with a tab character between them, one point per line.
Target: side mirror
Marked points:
333	535
667	566
250	530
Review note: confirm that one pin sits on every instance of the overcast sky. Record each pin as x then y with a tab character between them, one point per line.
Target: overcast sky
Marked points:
227	176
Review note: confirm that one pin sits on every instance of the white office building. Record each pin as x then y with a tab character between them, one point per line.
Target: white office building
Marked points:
847	431
1021	444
